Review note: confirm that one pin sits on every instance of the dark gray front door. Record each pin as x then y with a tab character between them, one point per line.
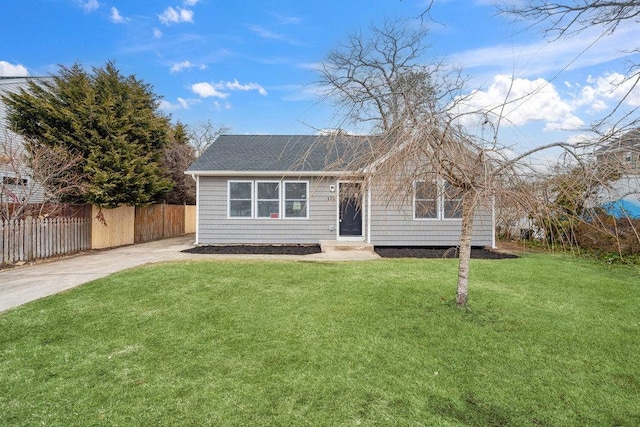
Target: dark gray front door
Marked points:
350	210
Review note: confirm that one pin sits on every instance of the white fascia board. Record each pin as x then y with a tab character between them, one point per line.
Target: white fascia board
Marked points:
268	173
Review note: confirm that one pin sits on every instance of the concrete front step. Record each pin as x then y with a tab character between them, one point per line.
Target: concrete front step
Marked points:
338	245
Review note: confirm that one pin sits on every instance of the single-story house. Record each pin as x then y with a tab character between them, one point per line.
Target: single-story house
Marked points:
276	189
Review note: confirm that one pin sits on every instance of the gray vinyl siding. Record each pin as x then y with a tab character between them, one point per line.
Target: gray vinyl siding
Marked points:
215	228
392	224
12	147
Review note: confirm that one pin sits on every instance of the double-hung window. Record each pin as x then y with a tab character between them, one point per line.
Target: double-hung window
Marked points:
240	199
451	201
268	199
295	199
426	200
436	199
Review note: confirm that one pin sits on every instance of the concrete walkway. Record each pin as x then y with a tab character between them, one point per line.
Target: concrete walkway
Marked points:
30	282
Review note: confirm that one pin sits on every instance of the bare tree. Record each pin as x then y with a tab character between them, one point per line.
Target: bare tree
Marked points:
34	176
616	132
176	158
383	85
203	133
567	18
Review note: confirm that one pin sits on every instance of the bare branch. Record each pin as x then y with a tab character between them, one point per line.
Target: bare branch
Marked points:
571	17
34	173
203	133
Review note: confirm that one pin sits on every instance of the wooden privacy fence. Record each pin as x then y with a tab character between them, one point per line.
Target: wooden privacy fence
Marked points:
34	238
159	221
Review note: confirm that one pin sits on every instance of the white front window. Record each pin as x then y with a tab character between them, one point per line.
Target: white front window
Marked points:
268	199
436	199
425	200
295	199
451	201
240	199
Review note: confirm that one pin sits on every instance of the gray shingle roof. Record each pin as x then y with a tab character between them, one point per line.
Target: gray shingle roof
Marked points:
628	140
275	153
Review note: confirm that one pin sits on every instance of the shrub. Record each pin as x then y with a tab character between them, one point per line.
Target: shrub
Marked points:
606	234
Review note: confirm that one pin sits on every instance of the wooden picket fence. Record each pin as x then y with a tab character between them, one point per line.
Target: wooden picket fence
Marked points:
86	227
35	238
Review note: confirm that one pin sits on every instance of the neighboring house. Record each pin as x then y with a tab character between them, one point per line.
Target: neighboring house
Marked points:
275	189
16	182
624	152
622	199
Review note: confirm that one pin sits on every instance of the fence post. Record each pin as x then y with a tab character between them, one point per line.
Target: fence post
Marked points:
28	231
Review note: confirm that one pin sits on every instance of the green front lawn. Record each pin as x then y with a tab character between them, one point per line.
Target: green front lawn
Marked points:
547	340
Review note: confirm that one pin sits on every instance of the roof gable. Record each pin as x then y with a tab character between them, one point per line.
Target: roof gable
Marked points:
275	153
627	141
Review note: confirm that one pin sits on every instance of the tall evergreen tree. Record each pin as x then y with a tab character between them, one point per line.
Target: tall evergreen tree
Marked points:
111	121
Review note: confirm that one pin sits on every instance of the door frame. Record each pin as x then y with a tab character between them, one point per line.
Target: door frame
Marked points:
356	238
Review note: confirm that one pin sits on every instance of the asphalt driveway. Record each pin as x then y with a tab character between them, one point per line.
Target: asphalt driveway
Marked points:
28	283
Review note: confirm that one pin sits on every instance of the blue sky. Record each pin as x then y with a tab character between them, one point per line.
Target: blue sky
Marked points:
250	64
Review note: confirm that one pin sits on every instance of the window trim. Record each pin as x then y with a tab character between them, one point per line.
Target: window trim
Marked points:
284	199
233	181
440	202
415	199
16	181
254	199
445	199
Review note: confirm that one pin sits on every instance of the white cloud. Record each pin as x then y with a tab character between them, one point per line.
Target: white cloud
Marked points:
601	93
581	139
570	122
615	86
543	57
90	5
219	107
175	16
310	66
235	85
116	17
184	65
270	35
518	102
191	2
216	90
165	105
207	90
177	67
180	104
157	33
10	70
266	34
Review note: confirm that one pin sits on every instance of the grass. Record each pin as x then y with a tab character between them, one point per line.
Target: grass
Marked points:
547	340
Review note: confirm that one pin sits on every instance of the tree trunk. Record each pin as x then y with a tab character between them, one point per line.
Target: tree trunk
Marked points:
468	211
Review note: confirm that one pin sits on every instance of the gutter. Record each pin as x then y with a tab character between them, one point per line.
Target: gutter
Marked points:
267	173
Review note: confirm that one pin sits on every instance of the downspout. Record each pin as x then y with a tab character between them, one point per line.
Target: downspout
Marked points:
197	180
368	239
493	222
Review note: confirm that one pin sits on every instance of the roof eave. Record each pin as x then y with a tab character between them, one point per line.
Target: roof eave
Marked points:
268	173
